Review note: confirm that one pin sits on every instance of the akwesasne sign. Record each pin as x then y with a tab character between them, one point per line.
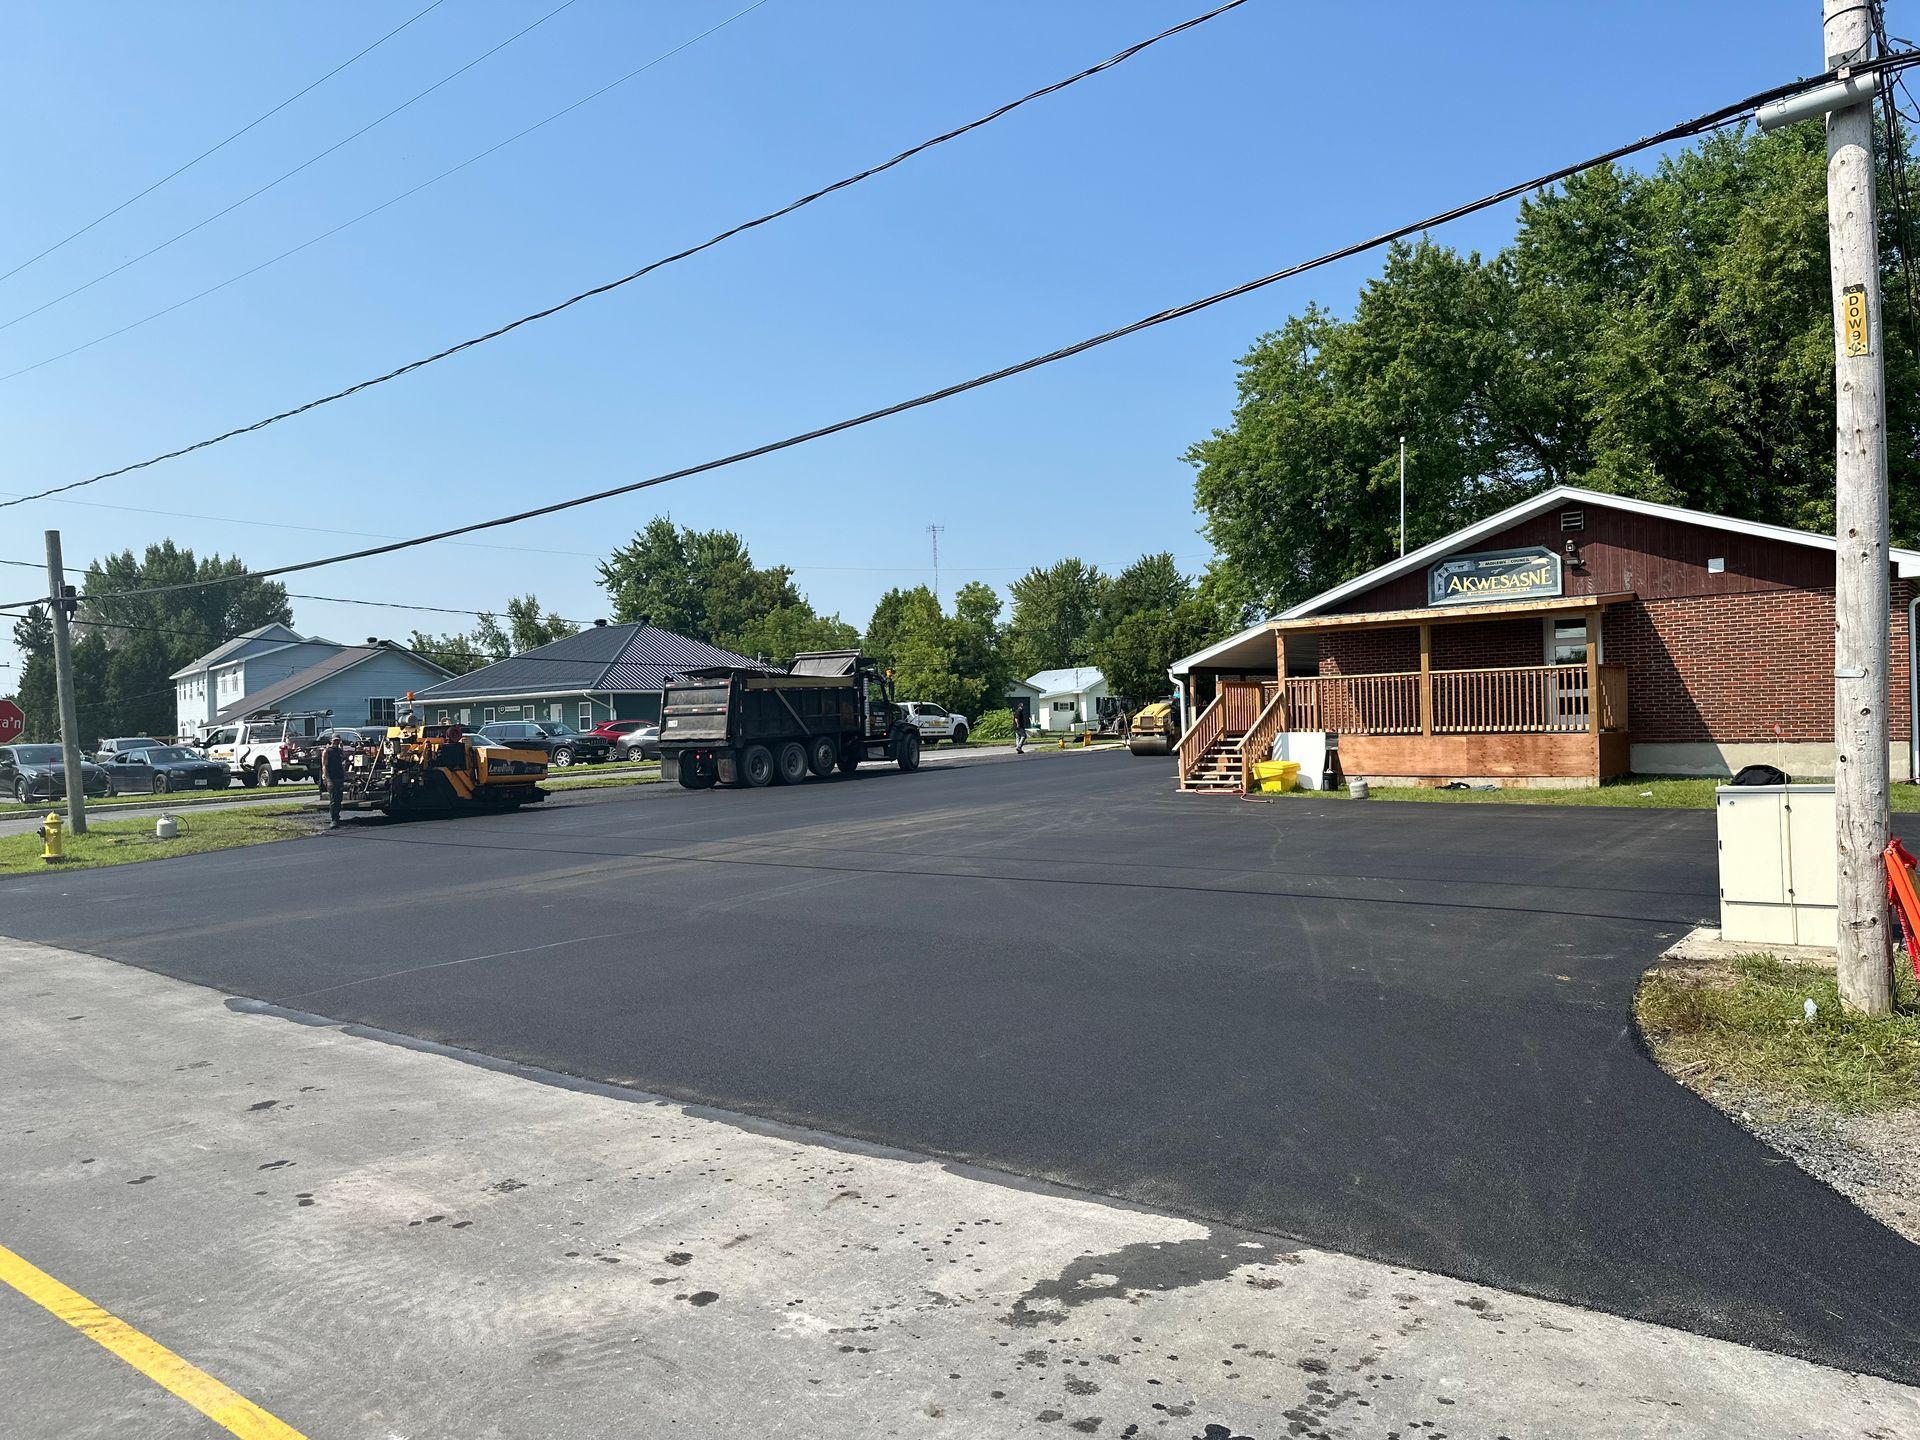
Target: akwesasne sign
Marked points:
1528	574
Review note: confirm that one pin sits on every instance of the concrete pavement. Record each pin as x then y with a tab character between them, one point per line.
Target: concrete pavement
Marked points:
367	1240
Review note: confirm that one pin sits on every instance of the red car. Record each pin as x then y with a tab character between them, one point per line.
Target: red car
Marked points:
631	738
612	730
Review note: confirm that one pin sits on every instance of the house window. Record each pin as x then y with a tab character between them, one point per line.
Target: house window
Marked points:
379	710
443	717
489	715
586	715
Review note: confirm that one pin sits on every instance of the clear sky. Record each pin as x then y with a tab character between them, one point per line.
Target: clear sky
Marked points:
1273	133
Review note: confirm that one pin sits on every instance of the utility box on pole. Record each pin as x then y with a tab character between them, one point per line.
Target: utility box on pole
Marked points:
1861	640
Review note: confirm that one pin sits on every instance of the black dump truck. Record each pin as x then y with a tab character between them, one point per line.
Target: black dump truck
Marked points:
730	726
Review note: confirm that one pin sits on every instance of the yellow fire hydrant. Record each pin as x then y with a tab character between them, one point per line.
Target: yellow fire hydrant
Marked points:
52	839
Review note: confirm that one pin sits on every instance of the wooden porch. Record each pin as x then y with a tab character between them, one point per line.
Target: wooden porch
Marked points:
1556	723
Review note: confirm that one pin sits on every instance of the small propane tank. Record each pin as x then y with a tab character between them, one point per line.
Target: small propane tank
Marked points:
166	828
1357	789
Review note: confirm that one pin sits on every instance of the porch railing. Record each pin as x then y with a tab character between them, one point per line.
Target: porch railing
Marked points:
1240	704
1258	742
1206	729
1509	700
1355	704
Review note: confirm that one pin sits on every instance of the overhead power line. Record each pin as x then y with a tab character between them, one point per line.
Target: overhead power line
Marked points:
407	194
176	173
1109	63
288	175
1712	120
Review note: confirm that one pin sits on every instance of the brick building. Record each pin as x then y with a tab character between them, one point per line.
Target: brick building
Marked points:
1572	636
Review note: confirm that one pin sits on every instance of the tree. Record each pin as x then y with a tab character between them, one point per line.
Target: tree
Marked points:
954	661
1665	335
33	638
528	629
1056	615
128	643
790	630
1149	617
699	583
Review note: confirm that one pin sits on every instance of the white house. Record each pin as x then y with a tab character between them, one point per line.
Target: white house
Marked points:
222	677
1066	698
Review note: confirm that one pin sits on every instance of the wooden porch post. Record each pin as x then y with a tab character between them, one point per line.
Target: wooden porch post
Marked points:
1280	676
1426	679
1593	687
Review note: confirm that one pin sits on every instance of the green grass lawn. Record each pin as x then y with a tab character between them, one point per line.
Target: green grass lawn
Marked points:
1638	791
1749	1025
119	842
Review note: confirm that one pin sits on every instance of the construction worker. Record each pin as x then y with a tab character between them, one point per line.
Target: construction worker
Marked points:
1019	727
333	770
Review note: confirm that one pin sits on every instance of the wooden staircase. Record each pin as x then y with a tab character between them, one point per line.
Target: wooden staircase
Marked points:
1218	769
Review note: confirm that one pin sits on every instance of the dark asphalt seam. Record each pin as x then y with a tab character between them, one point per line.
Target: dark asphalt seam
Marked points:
1370	899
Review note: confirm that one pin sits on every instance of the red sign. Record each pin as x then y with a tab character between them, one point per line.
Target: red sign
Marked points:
12	723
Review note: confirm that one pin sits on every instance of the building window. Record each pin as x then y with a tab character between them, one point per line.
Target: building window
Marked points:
586	714
489	715
1567	642
379	710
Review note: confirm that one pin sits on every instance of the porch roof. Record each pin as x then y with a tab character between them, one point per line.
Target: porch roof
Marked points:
1447	614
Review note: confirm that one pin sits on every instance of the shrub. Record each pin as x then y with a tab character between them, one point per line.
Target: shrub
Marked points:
994	725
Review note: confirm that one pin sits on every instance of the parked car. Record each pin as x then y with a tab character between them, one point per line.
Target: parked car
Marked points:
934	723
35	772
156	769
109	750
563	744
640	743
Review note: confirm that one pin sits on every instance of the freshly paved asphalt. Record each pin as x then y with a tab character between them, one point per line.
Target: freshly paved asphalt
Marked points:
1400	1031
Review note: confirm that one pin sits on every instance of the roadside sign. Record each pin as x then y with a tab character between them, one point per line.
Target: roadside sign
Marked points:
1853	302
12	723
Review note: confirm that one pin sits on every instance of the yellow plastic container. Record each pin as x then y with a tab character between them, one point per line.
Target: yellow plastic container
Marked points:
1276	774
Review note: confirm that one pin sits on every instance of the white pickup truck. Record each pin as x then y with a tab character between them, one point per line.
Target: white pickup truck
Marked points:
269	749
934	723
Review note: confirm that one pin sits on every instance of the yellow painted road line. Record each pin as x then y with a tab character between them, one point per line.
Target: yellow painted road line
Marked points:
231	1412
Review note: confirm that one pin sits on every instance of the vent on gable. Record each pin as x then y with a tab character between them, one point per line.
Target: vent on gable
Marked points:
1573	519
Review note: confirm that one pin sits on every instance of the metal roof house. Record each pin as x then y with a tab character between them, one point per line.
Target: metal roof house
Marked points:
1069	697
606	672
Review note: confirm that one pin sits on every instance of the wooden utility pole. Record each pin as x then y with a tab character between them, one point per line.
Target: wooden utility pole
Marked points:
71	759
1861	640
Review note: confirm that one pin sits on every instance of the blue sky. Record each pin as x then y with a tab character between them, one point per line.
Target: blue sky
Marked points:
1273	133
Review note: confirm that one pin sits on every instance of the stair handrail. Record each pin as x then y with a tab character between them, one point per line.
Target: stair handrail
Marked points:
1258	740
1202	733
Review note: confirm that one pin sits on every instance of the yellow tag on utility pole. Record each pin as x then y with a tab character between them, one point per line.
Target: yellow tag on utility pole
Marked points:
1853	314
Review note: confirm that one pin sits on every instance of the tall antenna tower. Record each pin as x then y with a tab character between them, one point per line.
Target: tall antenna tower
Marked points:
934	531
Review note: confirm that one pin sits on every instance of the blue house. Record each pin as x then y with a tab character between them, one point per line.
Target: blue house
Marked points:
243	665
358	684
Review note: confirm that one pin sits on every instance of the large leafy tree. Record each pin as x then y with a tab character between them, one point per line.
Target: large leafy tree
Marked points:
698	583
1149	617
1056	616
951	660
1666	335
127	643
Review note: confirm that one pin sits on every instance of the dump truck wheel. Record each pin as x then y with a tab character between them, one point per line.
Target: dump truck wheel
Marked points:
822	756
850	759
906	751
695	777
756	766
792	763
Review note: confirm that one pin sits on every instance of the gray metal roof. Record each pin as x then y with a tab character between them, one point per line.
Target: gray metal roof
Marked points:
282	690
276	634
619	659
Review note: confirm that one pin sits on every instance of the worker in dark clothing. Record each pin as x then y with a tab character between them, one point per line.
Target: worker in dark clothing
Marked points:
333	770
1019	726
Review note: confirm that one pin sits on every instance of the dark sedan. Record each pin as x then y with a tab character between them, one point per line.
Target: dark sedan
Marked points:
161	768
34	772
